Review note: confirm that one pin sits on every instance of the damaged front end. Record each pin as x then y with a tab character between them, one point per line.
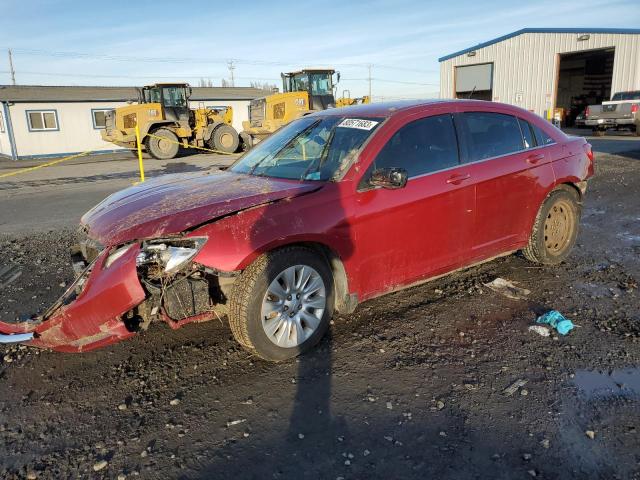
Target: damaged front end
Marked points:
120	291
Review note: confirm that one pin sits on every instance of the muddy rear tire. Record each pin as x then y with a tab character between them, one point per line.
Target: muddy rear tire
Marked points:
556	227
278	317
163	145
224	139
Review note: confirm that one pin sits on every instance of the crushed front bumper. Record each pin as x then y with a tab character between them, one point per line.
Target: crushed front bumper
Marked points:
90	313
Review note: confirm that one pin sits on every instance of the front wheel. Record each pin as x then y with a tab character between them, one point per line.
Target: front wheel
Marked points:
282	303
162	144
224	139
555	229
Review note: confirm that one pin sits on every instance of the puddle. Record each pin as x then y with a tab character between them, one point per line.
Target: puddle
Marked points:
623	382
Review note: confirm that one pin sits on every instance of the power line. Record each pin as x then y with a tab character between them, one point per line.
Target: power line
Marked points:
128	58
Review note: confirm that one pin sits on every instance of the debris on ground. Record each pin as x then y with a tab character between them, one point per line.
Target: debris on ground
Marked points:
540	330
507	288
591	434
236	422
513	388
556	320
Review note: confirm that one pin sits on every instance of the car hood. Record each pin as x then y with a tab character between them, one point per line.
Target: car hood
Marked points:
174	203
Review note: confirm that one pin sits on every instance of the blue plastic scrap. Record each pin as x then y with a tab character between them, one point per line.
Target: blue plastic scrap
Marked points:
556	320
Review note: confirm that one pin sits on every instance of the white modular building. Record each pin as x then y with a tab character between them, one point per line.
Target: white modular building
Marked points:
547	71
49	121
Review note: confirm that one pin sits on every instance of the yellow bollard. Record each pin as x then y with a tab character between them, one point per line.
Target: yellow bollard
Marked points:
139	154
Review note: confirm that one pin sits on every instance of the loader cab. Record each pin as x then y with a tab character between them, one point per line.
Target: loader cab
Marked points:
173	97
317	83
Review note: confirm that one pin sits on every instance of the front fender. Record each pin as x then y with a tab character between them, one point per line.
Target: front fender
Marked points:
237	240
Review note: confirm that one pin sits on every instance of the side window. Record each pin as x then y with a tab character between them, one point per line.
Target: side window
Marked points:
542	137
423	146
527	134
489	135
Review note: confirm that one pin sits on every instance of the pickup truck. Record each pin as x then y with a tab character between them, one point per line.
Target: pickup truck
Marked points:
620	113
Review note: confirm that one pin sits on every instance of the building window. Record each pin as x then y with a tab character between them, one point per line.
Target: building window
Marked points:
42	120
1	123
99	117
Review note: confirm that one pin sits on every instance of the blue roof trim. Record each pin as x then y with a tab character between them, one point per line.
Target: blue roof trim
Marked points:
541	30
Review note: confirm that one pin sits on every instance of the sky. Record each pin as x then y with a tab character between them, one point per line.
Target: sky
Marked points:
136	43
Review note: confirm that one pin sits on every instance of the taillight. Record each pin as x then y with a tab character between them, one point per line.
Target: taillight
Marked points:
589	151
586	112
634	108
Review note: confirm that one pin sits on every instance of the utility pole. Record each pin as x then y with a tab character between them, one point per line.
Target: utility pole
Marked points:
369	66
231	69
13	72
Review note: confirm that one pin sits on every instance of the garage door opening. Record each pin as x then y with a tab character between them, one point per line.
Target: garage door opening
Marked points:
474	81
583	79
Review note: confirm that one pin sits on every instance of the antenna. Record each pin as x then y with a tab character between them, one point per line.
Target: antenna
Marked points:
13	72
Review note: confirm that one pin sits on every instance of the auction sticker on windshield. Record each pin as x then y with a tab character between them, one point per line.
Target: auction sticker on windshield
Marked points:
357	123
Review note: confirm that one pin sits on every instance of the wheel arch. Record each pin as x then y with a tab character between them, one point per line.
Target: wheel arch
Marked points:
344	301
151	127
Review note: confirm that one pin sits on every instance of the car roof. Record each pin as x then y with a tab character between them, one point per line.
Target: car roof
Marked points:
388	109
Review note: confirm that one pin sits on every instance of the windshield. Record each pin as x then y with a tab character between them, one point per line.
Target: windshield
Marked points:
626	96
174	96
321	84
311	148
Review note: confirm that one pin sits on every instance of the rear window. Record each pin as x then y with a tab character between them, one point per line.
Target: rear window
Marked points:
542	137
626	96
488	135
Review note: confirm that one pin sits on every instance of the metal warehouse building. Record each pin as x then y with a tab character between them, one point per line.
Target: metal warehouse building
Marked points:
542	70
42	121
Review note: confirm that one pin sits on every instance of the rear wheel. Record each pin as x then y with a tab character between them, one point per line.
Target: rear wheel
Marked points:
224	138
281	304
162	144
555	229
597	132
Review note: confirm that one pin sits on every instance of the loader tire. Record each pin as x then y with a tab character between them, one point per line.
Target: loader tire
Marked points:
555	228
162	144
224	138
246	141
252	293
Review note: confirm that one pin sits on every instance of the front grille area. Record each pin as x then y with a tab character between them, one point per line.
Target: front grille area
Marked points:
129	120
278	111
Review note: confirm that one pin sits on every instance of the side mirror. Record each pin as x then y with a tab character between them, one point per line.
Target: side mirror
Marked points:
389	178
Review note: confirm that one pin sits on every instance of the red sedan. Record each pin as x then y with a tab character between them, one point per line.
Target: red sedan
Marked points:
333	209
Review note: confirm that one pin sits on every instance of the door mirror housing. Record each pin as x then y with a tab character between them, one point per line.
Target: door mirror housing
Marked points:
388	178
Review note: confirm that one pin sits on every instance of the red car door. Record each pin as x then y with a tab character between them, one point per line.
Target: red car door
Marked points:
510	173
406	234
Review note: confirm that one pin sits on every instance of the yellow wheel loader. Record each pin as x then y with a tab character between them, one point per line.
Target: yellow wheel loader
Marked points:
303	92
167	123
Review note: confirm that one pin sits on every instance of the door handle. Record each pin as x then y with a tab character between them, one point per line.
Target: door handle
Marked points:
535	158
458	179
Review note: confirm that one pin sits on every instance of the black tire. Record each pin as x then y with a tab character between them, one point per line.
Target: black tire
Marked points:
159	149
556	227
250	288
598	132
246	141
637	131
224	138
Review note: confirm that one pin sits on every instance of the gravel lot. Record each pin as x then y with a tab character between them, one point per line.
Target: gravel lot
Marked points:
409	386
